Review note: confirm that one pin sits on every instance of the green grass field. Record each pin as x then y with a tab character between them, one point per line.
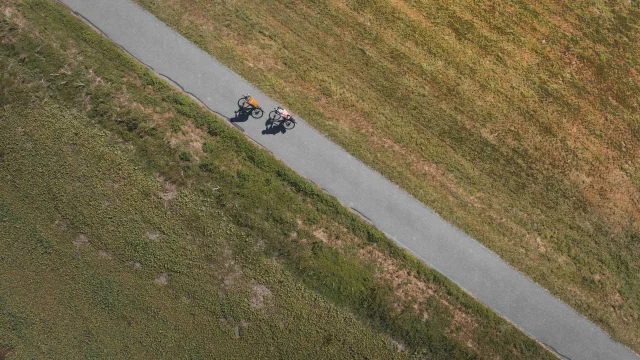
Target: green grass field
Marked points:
135	224
516	121
96	265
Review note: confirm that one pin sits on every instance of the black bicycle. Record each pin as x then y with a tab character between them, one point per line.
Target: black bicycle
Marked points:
248	102
283	117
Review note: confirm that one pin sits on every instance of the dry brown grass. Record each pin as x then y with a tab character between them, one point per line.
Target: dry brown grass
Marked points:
169	190
412	293
409	290
207	247
515	121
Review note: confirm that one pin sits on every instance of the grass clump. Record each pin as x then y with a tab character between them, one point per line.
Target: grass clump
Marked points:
146	280
185	155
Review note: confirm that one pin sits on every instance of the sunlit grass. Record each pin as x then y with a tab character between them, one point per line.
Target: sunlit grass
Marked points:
516	121
143	226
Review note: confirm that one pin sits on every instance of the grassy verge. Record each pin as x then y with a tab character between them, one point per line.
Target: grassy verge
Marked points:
517	122
97	265
134	224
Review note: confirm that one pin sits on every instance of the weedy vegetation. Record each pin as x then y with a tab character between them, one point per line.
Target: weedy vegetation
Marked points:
519	122
136	224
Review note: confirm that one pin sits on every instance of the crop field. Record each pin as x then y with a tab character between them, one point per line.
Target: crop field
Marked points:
136	224
519	121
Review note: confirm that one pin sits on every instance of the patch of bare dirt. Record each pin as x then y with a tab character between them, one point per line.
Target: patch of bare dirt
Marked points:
189	136
238	328
413	292
132	80
81	239
329	239
334	235
153	235
400	347
14	16
162	279
136	265
4	352
226	268
232	273
169	190
541	247
95	79
235	326
410	290
321	234
259	295
161	119
103	254
61	224
462	328
616	300
8	12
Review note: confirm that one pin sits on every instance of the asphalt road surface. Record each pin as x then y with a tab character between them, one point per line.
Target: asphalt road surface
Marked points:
404	219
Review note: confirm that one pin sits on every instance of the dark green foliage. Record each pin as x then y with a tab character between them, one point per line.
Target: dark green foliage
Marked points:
208	147
13	322
185	107
185	155
208	167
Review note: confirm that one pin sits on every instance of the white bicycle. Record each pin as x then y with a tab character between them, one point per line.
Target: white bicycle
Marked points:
283	117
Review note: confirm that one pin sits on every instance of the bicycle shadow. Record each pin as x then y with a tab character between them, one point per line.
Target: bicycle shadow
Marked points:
274	127
241	115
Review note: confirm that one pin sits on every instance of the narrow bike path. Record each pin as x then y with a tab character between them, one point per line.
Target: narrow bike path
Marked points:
404	219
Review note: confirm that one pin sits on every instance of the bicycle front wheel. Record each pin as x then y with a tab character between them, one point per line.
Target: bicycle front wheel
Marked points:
242	102
257	113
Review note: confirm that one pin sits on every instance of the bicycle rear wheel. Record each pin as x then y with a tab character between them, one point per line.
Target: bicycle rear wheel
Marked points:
289	124
257	113
273	115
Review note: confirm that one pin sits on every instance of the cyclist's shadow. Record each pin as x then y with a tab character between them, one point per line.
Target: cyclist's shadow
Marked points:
274	127
241	115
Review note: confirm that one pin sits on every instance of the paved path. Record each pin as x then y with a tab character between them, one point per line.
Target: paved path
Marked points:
404	219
